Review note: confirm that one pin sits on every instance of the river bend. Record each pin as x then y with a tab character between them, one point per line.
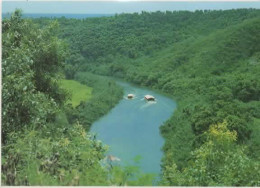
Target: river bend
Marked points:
131	128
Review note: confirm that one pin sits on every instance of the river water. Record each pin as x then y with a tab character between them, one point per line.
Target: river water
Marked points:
131	128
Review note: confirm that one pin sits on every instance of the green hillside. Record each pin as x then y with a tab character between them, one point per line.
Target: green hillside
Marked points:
79	93
208	61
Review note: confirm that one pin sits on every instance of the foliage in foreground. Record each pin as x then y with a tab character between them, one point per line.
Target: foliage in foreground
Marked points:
32	59
42	158
217	162
39	145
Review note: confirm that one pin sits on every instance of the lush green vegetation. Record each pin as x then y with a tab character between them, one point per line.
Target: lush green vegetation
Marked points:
40	146
209	61
77	91
105	95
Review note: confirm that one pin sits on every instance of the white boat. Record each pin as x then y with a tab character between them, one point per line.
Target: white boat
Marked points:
130	96
149	98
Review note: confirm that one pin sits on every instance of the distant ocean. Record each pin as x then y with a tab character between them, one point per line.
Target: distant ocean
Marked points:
77	16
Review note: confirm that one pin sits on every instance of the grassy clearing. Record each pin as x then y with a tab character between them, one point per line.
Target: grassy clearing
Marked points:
78	91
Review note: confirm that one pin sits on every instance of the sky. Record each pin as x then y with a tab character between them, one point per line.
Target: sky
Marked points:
120	6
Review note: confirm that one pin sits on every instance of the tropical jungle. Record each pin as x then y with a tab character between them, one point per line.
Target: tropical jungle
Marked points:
55	86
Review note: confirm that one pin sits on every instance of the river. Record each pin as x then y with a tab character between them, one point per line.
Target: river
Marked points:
131	128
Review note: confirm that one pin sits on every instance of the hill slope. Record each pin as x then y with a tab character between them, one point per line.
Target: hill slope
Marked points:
209	61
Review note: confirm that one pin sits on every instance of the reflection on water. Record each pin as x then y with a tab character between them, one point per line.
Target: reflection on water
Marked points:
131	129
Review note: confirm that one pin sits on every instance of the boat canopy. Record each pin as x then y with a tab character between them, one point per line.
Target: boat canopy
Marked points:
130	95
149	97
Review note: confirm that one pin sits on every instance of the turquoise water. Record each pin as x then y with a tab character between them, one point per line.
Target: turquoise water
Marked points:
131	129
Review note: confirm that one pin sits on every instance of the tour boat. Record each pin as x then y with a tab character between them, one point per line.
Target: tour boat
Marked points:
130	96
149	97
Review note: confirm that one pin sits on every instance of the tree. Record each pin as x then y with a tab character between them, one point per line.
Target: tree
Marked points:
32	59
218	162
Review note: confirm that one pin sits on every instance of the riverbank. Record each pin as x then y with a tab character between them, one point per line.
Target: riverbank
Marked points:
105	95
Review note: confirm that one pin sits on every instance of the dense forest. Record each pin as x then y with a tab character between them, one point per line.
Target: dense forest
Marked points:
208	61
44	140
